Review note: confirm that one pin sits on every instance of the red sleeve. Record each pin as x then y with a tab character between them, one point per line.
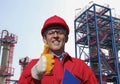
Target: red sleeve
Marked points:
26	77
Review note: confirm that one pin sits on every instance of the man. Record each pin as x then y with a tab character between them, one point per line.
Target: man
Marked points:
50	67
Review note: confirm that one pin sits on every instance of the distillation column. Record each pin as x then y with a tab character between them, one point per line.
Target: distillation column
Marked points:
4	62
7	42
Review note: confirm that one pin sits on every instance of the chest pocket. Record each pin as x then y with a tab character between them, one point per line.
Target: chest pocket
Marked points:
47	79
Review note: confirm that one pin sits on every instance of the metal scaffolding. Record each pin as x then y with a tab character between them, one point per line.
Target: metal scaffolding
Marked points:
97	42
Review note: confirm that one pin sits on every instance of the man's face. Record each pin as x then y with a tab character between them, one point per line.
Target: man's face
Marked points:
55	37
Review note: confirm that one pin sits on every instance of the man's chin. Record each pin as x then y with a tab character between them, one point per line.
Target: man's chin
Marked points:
56	48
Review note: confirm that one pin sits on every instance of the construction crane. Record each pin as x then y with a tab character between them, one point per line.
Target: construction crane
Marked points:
97	42
7	43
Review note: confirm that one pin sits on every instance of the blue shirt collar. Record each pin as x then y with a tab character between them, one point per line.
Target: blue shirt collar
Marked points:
60	56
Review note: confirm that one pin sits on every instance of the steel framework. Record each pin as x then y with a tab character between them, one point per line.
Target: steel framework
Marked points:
97	42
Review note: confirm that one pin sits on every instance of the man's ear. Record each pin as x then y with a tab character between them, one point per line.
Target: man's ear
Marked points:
66	38
44	40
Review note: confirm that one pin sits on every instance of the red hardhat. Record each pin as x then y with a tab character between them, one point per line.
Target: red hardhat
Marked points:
55	20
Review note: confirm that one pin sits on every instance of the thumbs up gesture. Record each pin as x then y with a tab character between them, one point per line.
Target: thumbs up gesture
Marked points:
49	59
44	65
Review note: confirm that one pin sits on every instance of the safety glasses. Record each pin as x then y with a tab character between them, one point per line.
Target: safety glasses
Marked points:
58	31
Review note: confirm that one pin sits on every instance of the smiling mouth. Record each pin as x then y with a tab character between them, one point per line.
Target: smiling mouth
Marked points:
56	42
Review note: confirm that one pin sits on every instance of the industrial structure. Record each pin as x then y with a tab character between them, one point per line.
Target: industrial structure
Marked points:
7	43
97	41
24	62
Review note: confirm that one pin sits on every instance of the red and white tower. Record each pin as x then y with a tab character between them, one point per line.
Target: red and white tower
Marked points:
7	42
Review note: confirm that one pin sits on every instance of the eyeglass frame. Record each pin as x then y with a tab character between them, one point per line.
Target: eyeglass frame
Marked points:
52	30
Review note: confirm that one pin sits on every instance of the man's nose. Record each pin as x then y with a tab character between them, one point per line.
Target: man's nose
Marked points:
55	34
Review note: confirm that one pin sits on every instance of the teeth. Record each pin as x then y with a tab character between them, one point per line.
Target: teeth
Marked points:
56	42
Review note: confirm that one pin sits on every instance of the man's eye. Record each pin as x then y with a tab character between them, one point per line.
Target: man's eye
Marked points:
50	32
56	31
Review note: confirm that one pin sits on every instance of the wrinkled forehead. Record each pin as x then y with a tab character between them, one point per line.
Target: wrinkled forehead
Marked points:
57	27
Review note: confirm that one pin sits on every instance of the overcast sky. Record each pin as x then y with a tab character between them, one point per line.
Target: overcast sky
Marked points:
25	19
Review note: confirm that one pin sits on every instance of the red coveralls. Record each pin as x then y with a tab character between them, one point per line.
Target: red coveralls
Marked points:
76	66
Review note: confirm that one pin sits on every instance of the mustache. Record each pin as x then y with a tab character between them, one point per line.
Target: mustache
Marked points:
56	39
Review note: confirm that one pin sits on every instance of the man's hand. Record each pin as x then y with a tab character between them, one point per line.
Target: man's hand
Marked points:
44	65
49	59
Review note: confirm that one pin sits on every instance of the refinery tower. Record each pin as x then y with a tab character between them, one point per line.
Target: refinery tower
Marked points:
7	43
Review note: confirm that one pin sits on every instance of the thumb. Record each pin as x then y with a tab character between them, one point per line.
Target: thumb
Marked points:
46	49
